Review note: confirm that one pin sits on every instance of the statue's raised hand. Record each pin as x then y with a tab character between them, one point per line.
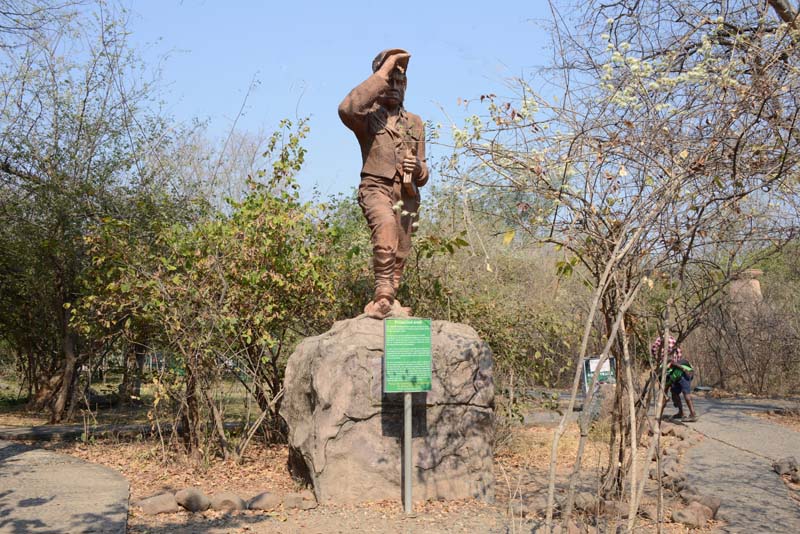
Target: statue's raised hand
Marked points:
395	60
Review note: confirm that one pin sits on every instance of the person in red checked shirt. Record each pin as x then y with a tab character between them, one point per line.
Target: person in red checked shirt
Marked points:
679	379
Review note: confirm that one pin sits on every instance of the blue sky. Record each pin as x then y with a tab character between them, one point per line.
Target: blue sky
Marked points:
308	55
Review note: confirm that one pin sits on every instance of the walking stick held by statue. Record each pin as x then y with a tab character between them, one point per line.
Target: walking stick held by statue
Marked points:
409	185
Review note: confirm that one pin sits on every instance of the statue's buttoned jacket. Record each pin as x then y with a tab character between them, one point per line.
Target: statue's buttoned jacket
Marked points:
383	146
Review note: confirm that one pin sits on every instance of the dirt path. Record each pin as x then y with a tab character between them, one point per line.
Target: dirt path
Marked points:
734	463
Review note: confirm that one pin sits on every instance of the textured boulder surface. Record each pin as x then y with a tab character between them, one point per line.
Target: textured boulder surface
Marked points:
345	434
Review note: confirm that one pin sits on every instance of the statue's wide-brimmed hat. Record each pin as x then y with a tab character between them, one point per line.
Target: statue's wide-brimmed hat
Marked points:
381	57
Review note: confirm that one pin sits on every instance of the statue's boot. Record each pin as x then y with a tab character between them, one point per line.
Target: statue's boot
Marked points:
381	305
379	308
397	275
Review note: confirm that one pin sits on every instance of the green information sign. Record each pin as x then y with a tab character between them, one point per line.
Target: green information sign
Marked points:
407	350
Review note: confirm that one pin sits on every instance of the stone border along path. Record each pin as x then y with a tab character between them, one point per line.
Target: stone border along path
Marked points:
734	463
46	492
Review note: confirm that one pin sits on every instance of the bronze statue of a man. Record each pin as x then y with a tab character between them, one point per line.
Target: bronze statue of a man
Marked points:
392	144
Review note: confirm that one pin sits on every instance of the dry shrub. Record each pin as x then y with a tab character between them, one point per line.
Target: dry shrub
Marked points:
751	349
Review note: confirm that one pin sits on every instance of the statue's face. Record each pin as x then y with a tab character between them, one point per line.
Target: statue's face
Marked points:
394	96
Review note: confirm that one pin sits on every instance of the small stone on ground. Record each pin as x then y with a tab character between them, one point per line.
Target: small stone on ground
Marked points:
164	503
693	516
227	502
267	501
292	501
193	500
785	466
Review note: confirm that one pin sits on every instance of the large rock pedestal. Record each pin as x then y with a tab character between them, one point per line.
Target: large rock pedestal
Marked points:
345	434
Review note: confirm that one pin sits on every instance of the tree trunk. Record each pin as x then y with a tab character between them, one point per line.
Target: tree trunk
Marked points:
219	423
44	391
784	9
31	373
125	386
68	378
191	416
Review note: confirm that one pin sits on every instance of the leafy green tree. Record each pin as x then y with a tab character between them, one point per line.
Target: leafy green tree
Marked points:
72	135
229	293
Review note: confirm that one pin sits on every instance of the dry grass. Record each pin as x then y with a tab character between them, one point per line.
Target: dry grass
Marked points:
529	448
264	467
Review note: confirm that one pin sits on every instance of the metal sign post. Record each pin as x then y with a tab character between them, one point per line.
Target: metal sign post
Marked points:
407	453
407	369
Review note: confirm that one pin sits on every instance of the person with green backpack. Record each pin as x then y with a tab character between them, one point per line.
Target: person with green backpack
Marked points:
678	381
